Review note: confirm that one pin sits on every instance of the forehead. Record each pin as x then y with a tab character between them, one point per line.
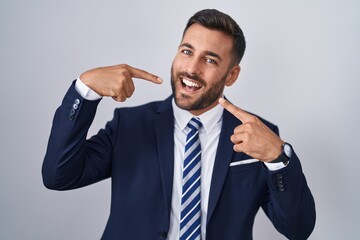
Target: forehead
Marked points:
204	39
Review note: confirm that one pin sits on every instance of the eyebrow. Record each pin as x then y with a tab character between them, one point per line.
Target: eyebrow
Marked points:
209	53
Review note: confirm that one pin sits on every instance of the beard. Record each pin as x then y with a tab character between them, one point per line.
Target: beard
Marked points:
204	99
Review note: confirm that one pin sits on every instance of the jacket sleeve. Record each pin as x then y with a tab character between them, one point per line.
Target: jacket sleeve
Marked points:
289	203
71	161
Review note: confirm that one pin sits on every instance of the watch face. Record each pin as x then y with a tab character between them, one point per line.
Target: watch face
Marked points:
287	150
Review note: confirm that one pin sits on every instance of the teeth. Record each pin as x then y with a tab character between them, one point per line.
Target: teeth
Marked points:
190	84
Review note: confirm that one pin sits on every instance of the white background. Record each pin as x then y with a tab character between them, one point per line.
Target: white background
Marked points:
300	70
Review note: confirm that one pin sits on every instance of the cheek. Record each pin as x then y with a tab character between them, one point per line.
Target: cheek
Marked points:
177	62
181	63
212	77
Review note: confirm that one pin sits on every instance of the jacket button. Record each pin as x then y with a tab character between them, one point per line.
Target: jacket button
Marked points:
72	113
77	101
163	234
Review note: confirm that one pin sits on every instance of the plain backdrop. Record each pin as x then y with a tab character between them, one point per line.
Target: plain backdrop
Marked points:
300	70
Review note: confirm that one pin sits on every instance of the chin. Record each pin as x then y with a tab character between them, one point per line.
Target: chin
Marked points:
184	102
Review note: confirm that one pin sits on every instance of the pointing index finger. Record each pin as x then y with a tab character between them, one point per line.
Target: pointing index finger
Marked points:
234	110
142	74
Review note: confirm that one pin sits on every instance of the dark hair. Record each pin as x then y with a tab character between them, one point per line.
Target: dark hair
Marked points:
216	20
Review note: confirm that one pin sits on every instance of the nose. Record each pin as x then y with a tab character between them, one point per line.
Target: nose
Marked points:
193	66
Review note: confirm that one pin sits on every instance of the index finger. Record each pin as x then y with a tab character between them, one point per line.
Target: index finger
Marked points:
142	74
236	111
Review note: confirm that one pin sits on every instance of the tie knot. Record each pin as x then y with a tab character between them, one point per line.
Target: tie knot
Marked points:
194	124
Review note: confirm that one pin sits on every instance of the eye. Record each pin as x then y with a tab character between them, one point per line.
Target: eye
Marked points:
211	61
186	52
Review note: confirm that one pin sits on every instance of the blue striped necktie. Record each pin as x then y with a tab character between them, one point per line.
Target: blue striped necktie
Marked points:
190	216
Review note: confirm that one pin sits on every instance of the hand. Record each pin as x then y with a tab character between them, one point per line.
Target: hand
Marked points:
116	81
253	137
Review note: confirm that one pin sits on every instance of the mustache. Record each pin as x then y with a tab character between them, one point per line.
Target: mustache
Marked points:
194	77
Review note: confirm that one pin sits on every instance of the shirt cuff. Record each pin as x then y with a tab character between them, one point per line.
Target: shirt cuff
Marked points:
85	91
274	166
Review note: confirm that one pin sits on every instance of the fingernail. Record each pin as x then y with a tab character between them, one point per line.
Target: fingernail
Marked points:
221	100
160	80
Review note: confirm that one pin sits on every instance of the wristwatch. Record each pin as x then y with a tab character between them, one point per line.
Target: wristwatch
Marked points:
286	152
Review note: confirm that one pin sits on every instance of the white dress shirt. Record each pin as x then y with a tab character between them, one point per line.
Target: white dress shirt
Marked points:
209	137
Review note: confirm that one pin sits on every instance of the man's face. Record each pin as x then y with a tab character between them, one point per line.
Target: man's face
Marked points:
201	69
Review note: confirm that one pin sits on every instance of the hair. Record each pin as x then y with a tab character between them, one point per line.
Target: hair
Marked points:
216	20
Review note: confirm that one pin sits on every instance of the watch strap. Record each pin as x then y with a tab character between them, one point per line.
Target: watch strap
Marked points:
281	158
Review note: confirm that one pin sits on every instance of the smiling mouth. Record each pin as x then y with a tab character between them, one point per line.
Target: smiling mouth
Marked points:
190	85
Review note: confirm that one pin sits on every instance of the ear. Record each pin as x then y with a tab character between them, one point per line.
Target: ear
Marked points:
232	75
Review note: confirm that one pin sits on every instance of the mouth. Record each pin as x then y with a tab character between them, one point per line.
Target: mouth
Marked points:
190	85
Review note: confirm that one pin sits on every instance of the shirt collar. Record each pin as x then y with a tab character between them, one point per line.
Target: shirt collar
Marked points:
209	119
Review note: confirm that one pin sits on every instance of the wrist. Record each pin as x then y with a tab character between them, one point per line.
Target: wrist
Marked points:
85	91
285	155
277	150
85	78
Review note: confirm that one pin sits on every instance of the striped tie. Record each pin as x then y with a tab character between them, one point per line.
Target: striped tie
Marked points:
190	218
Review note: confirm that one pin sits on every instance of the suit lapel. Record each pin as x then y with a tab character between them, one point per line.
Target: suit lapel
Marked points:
222	160
164	127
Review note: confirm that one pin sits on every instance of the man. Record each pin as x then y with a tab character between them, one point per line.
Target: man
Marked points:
183	168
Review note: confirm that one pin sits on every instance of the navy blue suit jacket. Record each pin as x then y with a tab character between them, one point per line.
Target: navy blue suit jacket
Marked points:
136	149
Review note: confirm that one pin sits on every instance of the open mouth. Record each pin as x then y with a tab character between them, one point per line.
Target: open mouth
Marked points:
190	85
